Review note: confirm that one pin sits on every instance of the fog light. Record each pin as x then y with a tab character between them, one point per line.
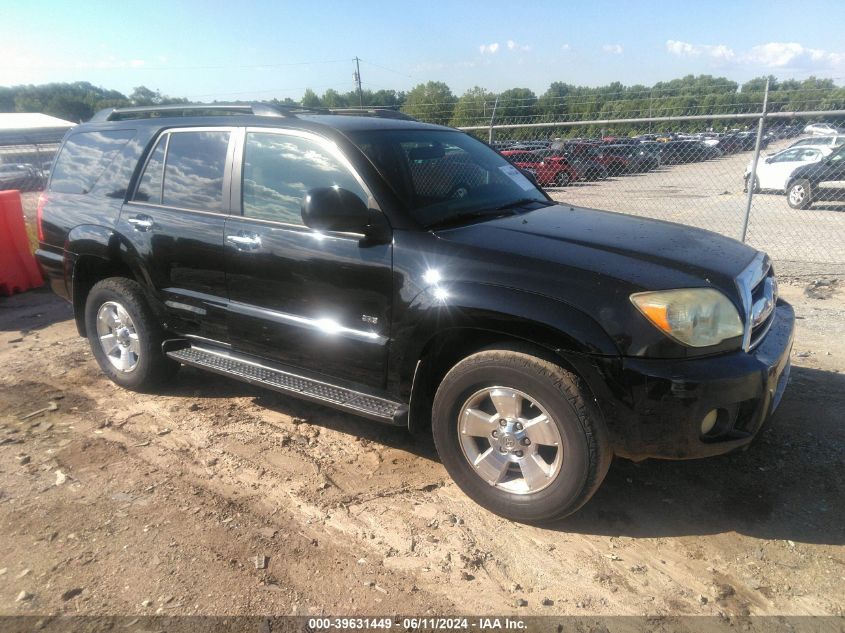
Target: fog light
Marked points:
709	421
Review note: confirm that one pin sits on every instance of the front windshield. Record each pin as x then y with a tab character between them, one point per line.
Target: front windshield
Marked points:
441	174
837	155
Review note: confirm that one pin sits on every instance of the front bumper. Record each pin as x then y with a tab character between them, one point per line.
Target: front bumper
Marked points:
665	401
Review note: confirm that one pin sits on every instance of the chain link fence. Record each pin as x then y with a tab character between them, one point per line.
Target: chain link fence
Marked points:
696	169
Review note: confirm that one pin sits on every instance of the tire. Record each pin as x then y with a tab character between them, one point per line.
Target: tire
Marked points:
460	437
755	186
562	179
132	357
800	194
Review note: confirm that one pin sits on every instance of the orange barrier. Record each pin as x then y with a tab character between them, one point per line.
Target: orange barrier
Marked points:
18	269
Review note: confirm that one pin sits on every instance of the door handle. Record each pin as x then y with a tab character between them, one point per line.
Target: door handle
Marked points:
141	222
245	241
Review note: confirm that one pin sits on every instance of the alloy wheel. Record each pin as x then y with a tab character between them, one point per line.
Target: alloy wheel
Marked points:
510	440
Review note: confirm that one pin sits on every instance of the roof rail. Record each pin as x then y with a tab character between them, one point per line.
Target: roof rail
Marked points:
383	112
144	112
257	109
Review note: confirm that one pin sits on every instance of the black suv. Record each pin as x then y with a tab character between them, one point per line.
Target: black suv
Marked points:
817	182
408	273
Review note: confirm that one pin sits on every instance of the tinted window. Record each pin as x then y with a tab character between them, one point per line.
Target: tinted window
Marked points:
193	171
279	169
84	157
149	189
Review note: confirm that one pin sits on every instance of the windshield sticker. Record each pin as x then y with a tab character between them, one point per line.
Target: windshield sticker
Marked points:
514	174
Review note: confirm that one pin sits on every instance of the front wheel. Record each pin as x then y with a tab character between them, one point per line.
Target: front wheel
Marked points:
520	435
124	335
799	195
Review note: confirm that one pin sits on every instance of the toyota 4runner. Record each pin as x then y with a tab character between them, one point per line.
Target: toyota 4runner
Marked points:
408	273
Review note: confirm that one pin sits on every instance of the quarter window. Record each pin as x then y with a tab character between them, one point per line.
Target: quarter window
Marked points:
279	169
84	158
149	189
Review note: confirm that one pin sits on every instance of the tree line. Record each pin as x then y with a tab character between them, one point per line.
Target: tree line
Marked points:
435	102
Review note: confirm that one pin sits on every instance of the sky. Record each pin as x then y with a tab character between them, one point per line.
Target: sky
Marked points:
210	50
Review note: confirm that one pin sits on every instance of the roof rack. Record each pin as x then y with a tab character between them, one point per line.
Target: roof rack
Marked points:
257	109
384	112
144	112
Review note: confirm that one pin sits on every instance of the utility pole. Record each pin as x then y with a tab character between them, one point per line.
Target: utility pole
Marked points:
357	77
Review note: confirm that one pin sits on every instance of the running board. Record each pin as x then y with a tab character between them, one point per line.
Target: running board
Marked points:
228	364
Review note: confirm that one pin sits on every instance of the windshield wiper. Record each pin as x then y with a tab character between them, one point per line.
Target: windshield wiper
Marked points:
521	202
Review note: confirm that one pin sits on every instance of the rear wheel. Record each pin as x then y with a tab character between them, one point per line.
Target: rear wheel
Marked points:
563	179
799	195
124	335
520	435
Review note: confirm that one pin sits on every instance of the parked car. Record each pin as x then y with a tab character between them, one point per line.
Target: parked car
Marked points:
639	157
818	182
314	255
773	172
834	140
548	171
825	129
21	176
585	161
674	152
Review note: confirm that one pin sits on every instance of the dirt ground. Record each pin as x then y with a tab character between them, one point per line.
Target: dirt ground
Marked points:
117	503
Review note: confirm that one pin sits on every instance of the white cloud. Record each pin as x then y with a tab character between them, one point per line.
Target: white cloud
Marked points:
780	54
565	47
772	55
489	49
613	49
685	49
137	63
513	46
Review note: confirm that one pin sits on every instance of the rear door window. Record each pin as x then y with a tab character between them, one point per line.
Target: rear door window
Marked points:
193	170
186	169
84	157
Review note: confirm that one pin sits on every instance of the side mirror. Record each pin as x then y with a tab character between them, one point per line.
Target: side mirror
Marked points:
334	209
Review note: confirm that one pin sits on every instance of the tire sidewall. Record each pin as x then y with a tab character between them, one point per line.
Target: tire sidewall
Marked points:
568	487
807	201
101	294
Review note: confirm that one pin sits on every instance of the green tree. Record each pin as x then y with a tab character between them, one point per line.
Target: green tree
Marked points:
310	99
432	102
474	107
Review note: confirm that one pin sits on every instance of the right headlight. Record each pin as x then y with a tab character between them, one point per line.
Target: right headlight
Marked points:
698	317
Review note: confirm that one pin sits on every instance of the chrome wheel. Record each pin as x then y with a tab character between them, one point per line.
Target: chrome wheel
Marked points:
118	336
510	440
797	195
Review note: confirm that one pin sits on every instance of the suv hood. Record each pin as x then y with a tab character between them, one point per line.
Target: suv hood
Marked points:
648	254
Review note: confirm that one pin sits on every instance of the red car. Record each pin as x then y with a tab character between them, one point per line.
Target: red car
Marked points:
614	164
550	171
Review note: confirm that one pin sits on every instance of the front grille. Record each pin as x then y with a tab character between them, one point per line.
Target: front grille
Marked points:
758	289
763	292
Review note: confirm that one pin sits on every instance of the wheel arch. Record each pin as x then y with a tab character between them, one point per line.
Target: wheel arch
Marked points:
97	253
546	328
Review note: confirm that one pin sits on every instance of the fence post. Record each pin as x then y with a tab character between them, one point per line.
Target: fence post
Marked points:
751	176
492	121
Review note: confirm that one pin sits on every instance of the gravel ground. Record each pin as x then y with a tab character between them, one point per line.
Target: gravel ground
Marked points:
215	497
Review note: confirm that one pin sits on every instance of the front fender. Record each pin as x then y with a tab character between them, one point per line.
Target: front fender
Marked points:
534	318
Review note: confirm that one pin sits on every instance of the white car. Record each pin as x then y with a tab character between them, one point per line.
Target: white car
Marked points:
832	141
774	171
820	128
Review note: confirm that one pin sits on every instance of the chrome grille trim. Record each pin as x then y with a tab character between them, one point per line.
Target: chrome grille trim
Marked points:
746	282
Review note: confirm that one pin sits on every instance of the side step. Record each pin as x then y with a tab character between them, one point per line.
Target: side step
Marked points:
222	362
